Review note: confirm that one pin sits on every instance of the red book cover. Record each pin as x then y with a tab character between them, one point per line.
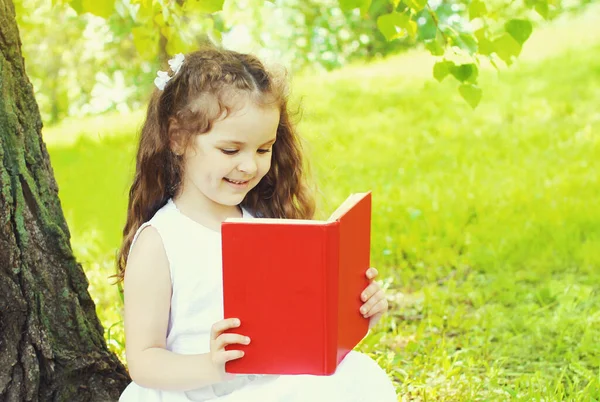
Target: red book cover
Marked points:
296	285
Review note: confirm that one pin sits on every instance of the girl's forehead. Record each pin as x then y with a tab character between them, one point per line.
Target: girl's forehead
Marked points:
248	123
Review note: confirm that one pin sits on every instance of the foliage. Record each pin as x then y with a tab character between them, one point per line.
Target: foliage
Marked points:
484	227
102	55
81	64
315	34
459	33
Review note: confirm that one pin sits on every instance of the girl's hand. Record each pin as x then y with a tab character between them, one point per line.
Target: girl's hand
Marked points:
375	303
218	341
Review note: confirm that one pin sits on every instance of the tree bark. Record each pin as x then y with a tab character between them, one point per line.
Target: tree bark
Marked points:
51	341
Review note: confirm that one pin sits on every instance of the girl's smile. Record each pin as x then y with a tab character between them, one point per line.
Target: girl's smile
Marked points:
238	185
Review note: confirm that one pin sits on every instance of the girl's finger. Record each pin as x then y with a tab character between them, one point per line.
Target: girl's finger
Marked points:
370	291
229	339
228	355
373	300
232	355
223	325
372	273
378	308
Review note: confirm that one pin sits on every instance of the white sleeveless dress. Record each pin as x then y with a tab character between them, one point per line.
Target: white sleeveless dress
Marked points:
194	254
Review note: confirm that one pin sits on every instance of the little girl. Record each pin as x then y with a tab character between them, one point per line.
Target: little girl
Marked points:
217	143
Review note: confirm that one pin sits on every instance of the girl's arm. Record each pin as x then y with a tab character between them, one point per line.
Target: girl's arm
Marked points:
147	304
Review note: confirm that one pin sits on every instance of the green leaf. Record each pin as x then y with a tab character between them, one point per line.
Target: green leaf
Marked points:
471	93
77	6
507	48
452	35
484	45
464	72
467	42
416	5
441	69
396	25
179	42
159	19
101	8
542	9
412	28
144	15
437	45
520	30
477	9
364	9
204	6
434	47
145	40
348	5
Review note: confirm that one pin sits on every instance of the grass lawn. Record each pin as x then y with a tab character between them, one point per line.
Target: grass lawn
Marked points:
486	223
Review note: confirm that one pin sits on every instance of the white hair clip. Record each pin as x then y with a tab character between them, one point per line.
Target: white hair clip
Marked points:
161	80
163	76
176	62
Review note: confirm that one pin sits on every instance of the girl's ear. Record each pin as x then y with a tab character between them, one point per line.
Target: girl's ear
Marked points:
176	137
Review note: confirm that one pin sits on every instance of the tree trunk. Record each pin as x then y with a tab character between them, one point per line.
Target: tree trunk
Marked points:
51	341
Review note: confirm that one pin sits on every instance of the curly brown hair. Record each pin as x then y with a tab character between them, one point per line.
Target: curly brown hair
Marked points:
189	105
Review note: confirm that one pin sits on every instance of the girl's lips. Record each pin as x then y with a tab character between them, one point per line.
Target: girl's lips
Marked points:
237	183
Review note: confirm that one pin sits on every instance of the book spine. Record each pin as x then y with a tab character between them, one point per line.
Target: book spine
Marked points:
331	267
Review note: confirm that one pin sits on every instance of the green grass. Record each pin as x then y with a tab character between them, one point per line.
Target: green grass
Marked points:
486	224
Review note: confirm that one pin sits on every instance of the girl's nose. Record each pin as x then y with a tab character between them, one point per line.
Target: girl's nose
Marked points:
248	165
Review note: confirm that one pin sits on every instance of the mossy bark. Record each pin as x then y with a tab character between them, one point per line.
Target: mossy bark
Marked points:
51	341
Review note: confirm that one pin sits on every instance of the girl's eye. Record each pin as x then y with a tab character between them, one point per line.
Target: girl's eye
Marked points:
263	151
229	151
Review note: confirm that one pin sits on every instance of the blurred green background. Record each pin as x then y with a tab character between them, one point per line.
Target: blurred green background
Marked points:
486	222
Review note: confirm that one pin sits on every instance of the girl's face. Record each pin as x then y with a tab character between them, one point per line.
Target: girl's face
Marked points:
223	165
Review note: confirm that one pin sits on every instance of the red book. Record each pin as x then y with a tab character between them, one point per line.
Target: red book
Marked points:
296	285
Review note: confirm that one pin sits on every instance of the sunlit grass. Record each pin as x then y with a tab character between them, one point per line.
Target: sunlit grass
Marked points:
486	224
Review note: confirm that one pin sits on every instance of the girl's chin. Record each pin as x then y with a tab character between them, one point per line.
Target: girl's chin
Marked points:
229	197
